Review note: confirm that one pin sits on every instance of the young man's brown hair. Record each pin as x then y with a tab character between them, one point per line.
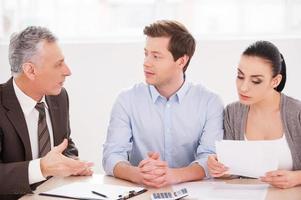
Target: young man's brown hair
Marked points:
181	41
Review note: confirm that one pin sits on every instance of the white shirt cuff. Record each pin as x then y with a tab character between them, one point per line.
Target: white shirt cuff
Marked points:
34	172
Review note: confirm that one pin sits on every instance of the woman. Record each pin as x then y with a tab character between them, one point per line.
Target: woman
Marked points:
264	113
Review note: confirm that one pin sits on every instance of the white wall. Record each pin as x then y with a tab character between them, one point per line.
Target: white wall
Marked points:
101	70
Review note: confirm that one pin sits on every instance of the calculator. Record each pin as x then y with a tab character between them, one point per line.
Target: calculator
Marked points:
170	195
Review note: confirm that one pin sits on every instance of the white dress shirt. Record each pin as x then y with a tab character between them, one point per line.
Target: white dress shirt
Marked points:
31	116
182	129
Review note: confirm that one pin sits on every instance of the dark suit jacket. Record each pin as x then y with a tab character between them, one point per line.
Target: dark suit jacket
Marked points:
15	148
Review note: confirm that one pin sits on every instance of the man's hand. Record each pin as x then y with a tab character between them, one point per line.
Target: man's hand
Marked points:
155	172
56	164
87	171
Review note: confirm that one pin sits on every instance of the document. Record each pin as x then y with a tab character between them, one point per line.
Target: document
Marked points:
247	158
228	191
224	191
83	190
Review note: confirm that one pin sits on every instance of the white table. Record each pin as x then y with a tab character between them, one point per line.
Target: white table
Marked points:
273	193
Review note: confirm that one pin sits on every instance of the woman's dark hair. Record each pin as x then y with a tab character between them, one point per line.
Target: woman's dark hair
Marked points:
269	52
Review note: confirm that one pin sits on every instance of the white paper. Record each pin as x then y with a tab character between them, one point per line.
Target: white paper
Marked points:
247	158
84	190
238	192
223	191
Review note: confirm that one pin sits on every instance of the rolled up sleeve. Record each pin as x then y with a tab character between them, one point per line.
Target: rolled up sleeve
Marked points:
119	136
212	131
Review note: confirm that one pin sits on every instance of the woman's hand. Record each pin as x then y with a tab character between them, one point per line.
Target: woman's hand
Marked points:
282	178
216	169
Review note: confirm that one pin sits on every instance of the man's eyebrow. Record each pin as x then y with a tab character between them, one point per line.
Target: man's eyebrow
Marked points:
60	60
156	52
240	71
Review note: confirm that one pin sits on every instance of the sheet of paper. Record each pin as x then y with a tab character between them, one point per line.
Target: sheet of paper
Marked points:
223	191
238	192
247	158
84	190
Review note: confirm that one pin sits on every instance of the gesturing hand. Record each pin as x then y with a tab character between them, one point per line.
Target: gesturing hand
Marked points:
56	164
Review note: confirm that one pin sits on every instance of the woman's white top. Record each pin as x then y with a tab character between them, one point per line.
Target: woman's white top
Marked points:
285	160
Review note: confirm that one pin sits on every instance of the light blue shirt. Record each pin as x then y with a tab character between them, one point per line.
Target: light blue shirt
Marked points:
183	129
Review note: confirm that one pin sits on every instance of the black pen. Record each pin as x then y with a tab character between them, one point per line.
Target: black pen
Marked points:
141	191
97	193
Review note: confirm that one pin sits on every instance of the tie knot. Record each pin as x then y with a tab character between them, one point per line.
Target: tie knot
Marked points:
40	107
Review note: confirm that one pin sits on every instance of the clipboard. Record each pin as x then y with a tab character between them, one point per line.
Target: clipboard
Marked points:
83	190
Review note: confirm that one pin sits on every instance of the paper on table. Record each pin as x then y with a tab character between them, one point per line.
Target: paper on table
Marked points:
83	190
222	191
228	191
247	158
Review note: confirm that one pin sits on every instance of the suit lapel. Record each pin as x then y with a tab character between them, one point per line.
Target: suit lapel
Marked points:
16	117
55	119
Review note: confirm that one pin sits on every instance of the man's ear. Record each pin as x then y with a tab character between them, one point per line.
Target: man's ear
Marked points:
29	70
276	80
182	61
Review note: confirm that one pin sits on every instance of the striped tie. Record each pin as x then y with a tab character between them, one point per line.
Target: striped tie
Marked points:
43	132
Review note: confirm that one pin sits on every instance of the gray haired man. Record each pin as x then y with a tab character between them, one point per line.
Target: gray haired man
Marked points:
35	138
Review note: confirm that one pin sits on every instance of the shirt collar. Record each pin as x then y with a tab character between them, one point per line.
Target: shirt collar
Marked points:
182	91
179	95
27	103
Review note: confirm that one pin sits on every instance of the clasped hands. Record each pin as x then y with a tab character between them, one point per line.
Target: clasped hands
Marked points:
155	172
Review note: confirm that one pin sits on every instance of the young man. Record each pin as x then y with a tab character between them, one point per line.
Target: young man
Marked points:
162	132
35	138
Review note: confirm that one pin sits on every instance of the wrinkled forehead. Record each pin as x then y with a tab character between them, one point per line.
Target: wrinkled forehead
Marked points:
48	51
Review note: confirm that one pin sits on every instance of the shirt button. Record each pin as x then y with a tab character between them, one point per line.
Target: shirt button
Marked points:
168	105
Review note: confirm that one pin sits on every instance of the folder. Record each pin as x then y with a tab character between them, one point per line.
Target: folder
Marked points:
88	191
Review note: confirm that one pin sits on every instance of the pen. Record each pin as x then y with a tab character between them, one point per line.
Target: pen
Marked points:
99	194
141	191
132	193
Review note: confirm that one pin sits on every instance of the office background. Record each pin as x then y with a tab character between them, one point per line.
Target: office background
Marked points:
103	44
